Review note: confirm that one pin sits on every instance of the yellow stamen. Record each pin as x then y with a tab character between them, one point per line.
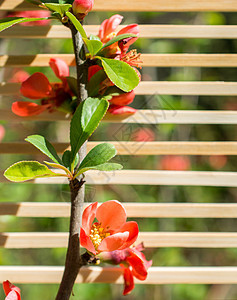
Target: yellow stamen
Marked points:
97	234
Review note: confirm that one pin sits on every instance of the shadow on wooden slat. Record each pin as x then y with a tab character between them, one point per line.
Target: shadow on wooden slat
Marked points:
9	208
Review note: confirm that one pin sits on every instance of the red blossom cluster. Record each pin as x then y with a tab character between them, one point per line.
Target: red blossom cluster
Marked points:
111	237
11	291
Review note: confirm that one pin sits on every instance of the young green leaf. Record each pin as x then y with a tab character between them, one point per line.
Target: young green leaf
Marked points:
94	83
8	22
57	166
120	73
77	24
58	8
98	155
84	122
118	38
27	170
44	146
102	167
94	37
93	46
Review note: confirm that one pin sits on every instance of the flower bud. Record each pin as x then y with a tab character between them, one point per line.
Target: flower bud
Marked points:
82	7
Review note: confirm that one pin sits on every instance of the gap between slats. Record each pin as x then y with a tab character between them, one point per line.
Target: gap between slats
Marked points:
149	60
135	148
156	88
30	240
141	117
156	275
148	177
138	210
146	31
141	5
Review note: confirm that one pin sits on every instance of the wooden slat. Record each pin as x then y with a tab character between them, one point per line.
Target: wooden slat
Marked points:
22	240
149	60
214	88
138	210
142	117
149	177
156	275
146	31
136	148
139	5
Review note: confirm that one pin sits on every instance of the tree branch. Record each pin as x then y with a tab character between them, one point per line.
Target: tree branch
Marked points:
73	259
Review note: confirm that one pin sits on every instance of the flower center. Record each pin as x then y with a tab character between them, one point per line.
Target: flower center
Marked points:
132	58
97	234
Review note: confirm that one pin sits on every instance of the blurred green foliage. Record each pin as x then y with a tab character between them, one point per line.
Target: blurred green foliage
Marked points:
167	132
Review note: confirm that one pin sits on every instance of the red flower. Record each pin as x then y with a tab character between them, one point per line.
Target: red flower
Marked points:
143	135
133	263
11	291
175	162
37	87
82	7
121	110
107	32
123	99
32	14
111	232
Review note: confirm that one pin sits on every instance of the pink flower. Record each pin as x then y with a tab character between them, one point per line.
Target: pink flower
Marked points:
121	110
133	263
111	232
175	162
37	87
33	14
2	132
11	291
82	7
19	76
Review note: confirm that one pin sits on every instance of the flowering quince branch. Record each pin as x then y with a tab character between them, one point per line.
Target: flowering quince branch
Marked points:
105	72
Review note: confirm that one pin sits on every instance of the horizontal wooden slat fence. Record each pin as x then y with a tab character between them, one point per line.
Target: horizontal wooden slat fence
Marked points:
138	210
156	275
148	60
137	148
139	5
146	31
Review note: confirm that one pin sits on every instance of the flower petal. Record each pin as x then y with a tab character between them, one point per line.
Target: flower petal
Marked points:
25	109
133	230
113	242
128	281
138	267
86	242
121	110
111	214
12	296
108	26
123	99
36	86
92	70
8	288
132	28
88	217
59	67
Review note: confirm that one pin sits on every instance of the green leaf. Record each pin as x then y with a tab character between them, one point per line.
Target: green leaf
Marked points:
67	158
118	38
84	122
8	22
58	8
27	170
120	73
98	155
44	146
94	37
94	83
93	46
103	167
36	2
77	24
57	166
72	82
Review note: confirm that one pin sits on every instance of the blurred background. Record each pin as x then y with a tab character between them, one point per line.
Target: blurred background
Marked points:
134	132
